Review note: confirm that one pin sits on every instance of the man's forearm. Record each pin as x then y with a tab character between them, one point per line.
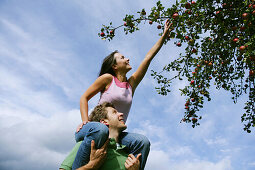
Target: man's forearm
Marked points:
88	166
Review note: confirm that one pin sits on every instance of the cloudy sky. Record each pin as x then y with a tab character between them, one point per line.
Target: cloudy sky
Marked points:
49	55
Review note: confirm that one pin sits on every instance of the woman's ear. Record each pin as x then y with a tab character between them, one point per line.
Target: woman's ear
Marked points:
104	121
114	66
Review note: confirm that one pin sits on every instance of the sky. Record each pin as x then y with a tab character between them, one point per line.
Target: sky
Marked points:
50	54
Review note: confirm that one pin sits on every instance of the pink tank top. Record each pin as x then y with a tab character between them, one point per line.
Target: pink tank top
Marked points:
120	95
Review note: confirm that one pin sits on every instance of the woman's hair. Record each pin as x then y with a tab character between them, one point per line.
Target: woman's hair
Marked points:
108	62
100	112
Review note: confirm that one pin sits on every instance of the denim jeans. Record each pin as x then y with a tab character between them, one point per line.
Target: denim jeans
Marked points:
98	132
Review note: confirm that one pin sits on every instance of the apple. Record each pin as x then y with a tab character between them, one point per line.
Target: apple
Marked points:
224	5
179	44
187	107
217	12
111	32
125	24
187	37
159	26
242	48
192	82
242	28
210	39
193	2
194	50
252	58
251	73
102	34
253	12
245	15
187	5
194	120
191	41
210	64
192	99
193	72
175	15
198	65
236	39
210	77
150	22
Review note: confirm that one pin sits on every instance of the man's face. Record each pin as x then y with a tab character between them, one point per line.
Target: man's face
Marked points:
115	119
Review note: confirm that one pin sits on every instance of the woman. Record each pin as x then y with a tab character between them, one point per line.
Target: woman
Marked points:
118	90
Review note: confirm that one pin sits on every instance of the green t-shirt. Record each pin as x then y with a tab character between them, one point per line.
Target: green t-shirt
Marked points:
115	159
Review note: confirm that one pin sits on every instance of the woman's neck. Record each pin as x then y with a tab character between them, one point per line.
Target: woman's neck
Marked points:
121	77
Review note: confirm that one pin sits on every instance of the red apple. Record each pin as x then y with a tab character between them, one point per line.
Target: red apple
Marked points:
102	34
198	65
187	5
217	12
187	37
210	77
175	15
242	48
253	12
159	26
193	2
245	15
242	28
194	120
192	99
210	64
194	50
236	39
192	82
224	5
179	44
251	73
187	107
125	24
250	5
210	39
111	32
150	22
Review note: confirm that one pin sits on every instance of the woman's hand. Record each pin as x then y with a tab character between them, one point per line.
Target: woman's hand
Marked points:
168	27
132	162
81	125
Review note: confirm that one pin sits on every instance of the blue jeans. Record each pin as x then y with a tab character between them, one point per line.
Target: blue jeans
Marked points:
98	132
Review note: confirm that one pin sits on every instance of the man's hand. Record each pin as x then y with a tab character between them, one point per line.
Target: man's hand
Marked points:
132	162
97	157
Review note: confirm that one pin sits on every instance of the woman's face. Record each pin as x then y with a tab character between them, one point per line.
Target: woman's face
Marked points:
122	63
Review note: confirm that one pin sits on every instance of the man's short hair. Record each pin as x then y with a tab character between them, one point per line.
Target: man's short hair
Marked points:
100	112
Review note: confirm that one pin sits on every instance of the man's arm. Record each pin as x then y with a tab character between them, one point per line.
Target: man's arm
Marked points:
132	162
97	157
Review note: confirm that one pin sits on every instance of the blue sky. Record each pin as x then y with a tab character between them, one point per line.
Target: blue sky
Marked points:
49	55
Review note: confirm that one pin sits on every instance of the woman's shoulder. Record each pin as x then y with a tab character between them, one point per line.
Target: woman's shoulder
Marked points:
107	78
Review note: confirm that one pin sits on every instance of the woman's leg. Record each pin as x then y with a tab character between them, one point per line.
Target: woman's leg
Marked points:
136	144
91	131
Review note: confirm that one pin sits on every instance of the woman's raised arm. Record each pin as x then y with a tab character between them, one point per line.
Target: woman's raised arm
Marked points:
138	75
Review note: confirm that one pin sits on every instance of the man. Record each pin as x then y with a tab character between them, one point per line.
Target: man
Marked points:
116	157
